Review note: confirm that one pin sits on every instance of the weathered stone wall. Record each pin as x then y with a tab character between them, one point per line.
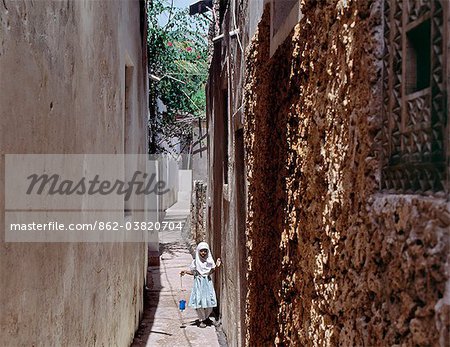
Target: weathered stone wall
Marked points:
226	194
62	68
198	212
332	260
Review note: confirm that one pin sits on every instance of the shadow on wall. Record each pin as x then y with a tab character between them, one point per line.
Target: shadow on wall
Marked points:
332	260
265	151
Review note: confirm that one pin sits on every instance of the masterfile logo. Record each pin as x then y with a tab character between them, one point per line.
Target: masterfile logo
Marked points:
54	184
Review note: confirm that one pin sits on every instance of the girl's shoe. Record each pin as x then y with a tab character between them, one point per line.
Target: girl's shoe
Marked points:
212	321
202	325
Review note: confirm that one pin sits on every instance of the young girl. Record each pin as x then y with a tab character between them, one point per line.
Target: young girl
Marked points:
203	296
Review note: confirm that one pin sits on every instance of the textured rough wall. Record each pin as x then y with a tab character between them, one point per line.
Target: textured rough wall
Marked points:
265	139
198	212
62	78
225	201
333	261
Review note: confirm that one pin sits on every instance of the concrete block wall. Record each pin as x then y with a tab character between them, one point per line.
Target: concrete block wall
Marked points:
184	185
168	173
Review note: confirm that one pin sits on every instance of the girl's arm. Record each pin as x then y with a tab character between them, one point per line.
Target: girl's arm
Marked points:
218	263
186	272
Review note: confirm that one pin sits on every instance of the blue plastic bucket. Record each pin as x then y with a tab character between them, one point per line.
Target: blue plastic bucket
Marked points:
182	305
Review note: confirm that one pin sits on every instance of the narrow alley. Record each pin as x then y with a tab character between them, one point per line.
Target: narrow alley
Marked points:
224	173
163	323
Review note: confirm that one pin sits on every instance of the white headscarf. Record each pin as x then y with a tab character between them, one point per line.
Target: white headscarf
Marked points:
203	266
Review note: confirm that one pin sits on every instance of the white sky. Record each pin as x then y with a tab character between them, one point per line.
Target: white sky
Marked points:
177	3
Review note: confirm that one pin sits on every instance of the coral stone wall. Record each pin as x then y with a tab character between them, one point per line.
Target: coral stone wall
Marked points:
333	260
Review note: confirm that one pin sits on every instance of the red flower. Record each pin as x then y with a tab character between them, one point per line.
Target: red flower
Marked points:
188	49
170	44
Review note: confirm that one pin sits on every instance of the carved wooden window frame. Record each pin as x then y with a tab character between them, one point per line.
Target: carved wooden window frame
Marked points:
415	129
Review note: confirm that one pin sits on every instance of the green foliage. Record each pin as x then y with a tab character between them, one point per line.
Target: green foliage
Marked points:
177	53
